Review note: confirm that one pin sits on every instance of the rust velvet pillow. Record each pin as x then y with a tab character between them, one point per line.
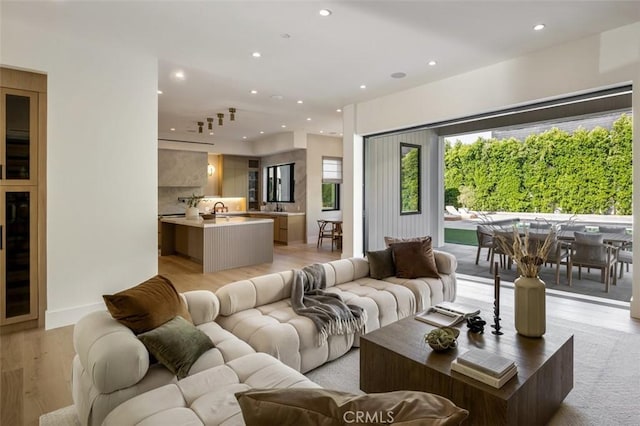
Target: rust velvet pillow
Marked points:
147	305
415	259
294	406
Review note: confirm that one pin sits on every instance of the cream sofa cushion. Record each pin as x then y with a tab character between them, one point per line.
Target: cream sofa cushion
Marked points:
208	398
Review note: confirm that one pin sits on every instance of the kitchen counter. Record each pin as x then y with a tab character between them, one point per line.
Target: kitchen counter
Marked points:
221	243
220	220
268	213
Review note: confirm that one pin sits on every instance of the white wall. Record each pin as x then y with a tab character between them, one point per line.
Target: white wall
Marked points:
101	166
599	61
318	147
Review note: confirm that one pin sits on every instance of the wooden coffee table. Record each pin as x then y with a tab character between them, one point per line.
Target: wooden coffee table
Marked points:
395	357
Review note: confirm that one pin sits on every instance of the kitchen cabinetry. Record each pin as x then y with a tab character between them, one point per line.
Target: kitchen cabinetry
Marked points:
22	198
241	178
286	228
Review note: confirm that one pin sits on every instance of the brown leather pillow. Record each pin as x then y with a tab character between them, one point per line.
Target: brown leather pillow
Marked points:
328	408
415	259
147	305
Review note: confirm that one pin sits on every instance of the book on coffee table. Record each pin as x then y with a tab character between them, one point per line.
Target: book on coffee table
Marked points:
447	314
496	382
486	362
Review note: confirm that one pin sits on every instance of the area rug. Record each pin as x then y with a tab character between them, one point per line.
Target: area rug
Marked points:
606	387
606	377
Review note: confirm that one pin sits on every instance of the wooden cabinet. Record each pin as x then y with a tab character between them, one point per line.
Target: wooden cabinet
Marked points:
235	176
22	198
286	228
241	178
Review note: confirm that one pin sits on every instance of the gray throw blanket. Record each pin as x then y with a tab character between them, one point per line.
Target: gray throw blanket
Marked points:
330	314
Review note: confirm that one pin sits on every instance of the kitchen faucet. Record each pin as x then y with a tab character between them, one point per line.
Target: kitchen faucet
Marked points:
213	210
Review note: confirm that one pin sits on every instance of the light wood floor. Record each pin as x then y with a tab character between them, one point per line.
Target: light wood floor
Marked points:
35	365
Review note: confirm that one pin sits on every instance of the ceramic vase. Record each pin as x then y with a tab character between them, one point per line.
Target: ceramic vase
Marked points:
530	306
192	213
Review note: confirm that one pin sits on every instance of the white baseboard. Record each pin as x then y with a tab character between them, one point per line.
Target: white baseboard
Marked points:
68	316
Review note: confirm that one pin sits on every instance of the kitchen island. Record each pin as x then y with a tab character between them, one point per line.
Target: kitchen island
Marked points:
220	243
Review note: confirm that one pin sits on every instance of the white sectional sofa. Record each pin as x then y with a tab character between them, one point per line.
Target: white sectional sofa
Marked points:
259	311
112	368
111	365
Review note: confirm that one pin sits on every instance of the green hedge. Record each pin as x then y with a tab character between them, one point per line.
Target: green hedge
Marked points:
586	172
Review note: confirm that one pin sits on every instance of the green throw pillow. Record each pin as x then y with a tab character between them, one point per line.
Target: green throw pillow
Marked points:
381	264
176	344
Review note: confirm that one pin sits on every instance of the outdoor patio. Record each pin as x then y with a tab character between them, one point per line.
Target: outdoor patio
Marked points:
462	235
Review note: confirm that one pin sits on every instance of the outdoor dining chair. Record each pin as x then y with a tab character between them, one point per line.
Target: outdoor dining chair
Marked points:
589	250
485	240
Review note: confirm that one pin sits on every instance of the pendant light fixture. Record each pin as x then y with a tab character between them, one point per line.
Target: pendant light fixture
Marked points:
200	124
220	117
210	123
232	114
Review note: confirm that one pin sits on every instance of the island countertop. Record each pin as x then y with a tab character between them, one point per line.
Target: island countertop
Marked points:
217	222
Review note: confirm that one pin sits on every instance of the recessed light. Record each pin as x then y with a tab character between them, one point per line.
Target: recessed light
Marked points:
210	133
173	129
308	118
432	63
398	75
538	27
321	131
262	132
363	86
299	102
159	92
338	110
256	54
283	126
179	75
244	137
325	12
254	92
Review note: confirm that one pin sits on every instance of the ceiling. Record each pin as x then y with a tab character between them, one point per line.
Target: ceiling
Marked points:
321	61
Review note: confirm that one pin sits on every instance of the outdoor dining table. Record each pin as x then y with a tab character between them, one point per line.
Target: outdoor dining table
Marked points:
616	238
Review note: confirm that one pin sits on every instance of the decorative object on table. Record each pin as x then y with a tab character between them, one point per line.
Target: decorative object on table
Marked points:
192	212
442	338
447	314
491	369
476	324
529	254
496	302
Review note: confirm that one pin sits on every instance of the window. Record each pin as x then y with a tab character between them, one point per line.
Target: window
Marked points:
409	179
280	183
331	180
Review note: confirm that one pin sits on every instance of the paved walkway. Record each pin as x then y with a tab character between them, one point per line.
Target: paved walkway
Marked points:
589	284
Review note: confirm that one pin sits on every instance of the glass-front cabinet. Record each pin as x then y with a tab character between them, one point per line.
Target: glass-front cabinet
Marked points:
18	262
22	218
18	152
